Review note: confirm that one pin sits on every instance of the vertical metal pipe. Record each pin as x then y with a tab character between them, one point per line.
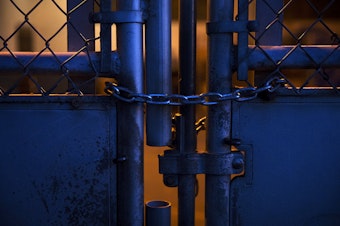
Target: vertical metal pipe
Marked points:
130	185
219	116
158	70
242	71
158	213
187	71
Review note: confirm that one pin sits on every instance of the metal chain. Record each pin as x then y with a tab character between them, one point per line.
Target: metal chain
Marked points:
210	98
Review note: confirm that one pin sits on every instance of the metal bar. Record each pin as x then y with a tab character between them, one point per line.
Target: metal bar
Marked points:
187	72
266	58
36	99
130	123
79	63
270	57
200	163
105	39
219	116
158	71
242	71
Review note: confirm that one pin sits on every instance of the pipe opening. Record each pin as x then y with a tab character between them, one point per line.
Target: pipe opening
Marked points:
158	204
158	213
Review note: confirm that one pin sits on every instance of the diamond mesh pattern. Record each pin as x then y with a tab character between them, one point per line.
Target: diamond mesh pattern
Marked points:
33	36
32	31
308	31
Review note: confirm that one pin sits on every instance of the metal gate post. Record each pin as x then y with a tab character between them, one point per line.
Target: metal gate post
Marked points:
187	72
130	123
219	116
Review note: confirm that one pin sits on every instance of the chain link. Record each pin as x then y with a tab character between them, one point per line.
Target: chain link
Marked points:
207	99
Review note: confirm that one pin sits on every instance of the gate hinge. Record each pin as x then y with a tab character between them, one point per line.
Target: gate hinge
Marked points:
172	163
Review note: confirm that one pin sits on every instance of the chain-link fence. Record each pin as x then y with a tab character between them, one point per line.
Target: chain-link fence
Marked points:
48	47
296	41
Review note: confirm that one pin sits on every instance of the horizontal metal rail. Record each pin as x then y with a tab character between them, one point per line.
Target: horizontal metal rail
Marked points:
297	57
74	101
260	57
79	62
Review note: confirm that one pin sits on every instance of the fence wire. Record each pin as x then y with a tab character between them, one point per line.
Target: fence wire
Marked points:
36	54
296	40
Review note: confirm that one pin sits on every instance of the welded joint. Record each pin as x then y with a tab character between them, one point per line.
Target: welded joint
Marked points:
118	17
173	163
231	27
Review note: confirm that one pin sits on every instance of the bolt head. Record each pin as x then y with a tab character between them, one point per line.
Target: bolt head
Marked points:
238	163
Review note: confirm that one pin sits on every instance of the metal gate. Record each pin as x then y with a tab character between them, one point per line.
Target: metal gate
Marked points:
72	112
60	133
289	134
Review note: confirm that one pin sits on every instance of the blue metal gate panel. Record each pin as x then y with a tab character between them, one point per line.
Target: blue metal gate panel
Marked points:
292	174
56	162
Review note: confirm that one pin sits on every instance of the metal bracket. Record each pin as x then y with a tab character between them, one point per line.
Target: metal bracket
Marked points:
231	26
106	19
117	17
172	163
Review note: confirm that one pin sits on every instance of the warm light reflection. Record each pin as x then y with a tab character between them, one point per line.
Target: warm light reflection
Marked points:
46	18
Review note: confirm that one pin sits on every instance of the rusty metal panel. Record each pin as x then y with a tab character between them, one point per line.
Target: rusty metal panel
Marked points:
292	175
57	161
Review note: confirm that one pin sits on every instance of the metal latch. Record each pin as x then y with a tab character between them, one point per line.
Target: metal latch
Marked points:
173	163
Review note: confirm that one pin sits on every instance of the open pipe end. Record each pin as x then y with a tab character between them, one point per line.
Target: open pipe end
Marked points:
158	213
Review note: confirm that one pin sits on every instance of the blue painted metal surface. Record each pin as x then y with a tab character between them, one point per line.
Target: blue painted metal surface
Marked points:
80	63
292	175
56	162
130	123
158	70
219	116
187	86
58	154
